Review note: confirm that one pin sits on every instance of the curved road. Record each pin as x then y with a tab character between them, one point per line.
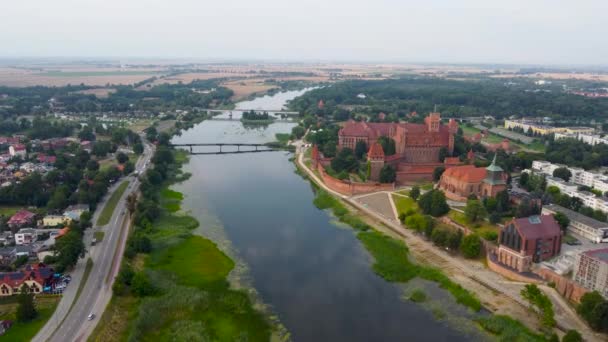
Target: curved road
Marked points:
71	324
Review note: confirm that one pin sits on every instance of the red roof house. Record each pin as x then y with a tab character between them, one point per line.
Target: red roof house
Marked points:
21	218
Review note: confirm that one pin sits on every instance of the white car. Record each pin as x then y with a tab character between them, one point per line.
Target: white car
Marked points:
90	317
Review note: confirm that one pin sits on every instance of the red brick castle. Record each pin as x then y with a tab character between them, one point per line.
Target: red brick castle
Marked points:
417	145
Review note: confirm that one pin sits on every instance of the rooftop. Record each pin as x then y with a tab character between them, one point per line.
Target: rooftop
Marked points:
535	227
574	216
600	254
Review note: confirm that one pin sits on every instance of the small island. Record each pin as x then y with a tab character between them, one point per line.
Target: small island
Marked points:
253	118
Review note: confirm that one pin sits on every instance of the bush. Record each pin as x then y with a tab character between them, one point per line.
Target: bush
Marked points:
572	336
470	246
418	296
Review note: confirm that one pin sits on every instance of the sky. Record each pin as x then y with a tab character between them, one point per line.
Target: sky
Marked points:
552	32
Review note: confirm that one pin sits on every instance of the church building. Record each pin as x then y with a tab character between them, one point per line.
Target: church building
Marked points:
460	182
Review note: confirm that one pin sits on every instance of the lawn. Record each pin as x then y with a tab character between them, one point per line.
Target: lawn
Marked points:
9	210
99	235
469	130
480	228
405	204
26	331
108	210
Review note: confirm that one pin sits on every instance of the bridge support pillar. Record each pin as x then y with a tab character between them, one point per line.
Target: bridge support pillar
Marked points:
190	149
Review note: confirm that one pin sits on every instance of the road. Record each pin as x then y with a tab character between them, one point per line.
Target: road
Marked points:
71	324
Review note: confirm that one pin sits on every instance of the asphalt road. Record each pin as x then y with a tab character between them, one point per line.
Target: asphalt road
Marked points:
106	255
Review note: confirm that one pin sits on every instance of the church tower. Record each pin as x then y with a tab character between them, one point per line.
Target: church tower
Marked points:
433	121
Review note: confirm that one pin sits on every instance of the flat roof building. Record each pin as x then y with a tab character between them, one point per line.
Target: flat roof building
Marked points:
591	270
587	227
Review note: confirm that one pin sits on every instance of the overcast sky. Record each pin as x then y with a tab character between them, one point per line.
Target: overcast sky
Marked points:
459	31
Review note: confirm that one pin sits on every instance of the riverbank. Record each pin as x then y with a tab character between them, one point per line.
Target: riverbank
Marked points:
424	253
173	284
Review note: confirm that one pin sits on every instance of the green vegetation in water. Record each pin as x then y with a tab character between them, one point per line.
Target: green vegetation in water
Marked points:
171	200
283	138
173	285
418	296
392	263
108	210
391	256
324	200
508	329
26	331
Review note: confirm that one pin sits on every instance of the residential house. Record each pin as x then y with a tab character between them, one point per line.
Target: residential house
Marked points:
86	145
17	150
21	218
46	159
25	236
35	277
9	254
55	220
73	212
528	240
591	270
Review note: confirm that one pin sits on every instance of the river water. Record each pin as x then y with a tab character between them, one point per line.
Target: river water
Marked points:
313	273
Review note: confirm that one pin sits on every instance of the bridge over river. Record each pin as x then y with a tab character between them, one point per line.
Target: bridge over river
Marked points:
240	148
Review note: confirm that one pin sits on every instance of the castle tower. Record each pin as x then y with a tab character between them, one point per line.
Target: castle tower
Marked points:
453	129
375	157
433	121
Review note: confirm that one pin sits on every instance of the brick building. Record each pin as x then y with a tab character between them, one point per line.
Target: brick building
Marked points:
460	182
418	146
528	240
591	270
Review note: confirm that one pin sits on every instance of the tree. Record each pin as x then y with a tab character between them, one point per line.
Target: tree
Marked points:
523	180
454	239
594	309
86	134
26	311
563	173
387	174
572	336
141	285
439	237
92	165
131	202
470	246
122	158
138	148
388	145
68	248
433	203
298	132
437	173
443	152
415	192
562	220
344	161
360	149
474	211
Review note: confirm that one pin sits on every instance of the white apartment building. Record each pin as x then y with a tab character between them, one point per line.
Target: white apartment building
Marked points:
591	139
25	236
591	270
582	177
587	227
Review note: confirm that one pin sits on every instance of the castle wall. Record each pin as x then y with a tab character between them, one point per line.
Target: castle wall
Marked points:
352	188
418	155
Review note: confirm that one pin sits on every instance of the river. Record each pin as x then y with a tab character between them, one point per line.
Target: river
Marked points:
312	272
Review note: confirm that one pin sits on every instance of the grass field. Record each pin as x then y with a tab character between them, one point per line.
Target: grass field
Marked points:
108	210
99	236
481	228
9	210
26	331
171	200
404	204
58	73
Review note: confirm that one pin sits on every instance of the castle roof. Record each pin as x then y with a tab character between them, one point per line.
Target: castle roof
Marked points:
376	151
466	173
